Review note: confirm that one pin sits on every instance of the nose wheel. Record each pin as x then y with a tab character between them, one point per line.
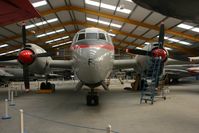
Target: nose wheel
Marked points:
92	99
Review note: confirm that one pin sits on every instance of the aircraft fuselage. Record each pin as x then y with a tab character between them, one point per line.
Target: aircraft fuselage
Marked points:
93	60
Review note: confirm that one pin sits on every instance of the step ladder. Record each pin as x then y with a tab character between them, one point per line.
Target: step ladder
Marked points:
150	81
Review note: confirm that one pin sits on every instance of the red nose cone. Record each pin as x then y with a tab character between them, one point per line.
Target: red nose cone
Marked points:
25	57
160	53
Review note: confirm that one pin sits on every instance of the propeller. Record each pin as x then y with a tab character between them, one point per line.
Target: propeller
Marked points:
161	36
156	52
25	66
25	57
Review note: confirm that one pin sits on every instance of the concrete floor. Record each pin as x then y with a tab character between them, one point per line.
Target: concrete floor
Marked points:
50	113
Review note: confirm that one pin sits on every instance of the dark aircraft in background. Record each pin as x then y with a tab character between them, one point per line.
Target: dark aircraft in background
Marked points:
186	10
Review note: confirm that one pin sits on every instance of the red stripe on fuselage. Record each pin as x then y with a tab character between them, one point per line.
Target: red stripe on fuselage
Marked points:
103	46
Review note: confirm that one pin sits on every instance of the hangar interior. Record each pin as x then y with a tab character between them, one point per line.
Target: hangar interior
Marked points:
60	106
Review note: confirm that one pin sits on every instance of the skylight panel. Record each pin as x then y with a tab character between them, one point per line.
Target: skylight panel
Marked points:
4	45
61	44
41	23
185	26
127	11
177	41
50	33
9	52
111	34
57	39
185	43
39	3
167	48
108	6
195	29
103	22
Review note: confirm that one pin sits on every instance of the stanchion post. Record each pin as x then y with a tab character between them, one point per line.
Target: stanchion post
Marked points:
108	129
6	116
21	121
21	88
16	94
8	94
12	99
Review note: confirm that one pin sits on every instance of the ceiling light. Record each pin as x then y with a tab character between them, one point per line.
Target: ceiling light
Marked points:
103	22
185	43
61	44
185	26
39	3
9	52
41	23
173	40
195	29
57	39
111	34
129	0
147	43
167	48
4	45
50	33
124	10
176	40
107	6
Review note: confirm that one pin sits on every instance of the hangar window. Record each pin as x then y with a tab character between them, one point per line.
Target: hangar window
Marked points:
91	35
81	36
102	36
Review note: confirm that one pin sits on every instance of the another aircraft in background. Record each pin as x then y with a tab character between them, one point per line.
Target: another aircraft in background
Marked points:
184	9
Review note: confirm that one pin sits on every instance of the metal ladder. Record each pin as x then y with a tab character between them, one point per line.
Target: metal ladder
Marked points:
148	89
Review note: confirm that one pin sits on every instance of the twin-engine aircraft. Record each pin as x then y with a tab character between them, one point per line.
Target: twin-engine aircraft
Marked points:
92	59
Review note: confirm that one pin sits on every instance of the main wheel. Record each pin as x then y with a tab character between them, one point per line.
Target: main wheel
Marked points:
42	86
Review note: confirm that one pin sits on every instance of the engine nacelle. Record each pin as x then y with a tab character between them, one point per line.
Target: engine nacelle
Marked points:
37	65
145	62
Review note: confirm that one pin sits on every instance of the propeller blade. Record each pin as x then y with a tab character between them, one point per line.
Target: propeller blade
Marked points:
140	52
44	54
24	35
26	76
7	58
161	36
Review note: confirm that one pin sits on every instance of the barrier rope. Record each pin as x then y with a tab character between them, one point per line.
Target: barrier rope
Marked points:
63	123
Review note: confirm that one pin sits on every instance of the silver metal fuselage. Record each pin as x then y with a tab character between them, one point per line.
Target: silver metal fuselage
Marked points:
93	60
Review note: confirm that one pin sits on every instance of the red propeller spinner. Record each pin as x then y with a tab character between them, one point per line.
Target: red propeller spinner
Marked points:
158	52
26	57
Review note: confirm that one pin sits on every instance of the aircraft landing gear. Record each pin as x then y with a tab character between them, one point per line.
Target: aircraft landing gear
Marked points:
47	86
92	98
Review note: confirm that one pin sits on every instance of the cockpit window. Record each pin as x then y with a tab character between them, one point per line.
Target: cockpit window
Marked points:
102	36
91	35
81	36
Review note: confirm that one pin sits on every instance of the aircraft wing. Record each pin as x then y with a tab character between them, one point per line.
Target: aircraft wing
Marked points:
12	11
9	63
61	64
125	63
5	74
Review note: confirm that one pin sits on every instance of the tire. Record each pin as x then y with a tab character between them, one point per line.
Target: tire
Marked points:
96	100
92	100
48	85
88	100
42	86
